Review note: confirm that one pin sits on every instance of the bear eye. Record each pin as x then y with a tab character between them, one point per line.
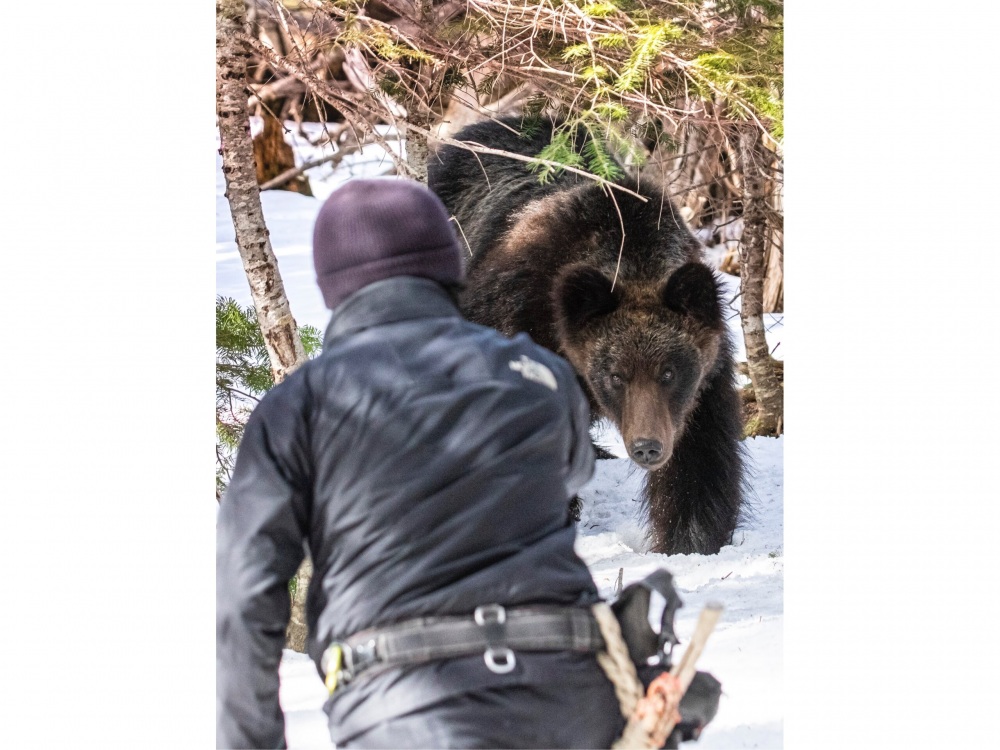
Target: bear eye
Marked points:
667	376
616	380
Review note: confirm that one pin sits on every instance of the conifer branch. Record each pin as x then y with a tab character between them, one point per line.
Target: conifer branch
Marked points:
480	149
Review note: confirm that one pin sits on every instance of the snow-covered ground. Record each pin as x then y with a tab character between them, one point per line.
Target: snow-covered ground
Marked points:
745	652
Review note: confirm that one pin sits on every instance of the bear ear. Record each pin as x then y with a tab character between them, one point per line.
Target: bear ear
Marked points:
693	290
582	293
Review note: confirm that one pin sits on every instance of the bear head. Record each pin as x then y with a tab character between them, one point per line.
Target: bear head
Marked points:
643	350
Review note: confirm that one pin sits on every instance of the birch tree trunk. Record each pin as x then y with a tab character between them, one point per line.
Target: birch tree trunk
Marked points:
754	160
774	282
284	347
281	335
298	630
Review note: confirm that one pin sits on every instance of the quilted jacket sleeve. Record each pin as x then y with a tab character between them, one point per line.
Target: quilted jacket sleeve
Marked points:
262	523
581	460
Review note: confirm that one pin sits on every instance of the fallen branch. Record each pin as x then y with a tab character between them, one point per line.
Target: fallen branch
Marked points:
290	85
356	105
291	174
276	90
352	108
480	149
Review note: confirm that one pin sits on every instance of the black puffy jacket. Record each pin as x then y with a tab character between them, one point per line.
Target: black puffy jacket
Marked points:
428	465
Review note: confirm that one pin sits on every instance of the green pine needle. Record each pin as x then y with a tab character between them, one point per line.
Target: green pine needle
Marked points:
611	111
575	52
600	9
595	73
599	161
559	150
242	376
651	42
611	41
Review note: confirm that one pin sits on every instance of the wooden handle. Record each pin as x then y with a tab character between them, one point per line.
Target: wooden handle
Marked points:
684	669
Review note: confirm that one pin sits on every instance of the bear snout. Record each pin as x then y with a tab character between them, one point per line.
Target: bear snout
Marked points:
647	452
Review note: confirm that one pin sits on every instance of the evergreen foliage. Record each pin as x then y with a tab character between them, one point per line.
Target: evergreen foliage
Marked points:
599	160
242	375
649	58
647	47
609	66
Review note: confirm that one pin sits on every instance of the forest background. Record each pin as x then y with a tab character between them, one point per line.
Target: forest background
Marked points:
106	466
686	94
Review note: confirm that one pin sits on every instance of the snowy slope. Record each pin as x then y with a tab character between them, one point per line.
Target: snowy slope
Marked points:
745	652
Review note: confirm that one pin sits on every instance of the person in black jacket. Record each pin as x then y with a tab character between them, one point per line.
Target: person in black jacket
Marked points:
426	464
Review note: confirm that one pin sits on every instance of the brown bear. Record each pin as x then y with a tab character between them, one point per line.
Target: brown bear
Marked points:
640	318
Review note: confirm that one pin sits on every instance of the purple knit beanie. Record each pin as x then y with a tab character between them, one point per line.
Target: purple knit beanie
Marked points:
369	230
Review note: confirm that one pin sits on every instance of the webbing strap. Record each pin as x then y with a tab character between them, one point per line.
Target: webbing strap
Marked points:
426	639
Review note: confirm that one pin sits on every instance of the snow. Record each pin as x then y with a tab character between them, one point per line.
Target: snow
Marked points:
745	652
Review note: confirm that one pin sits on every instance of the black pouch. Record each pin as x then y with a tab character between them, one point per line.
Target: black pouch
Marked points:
645	613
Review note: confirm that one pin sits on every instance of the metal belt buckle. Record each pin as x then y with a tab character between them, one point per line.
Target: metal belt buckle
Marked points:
496	610
495	614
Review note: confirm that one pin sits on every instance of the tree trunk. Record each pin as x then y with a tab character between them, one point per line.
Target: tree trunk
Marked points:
298	630
756	235
284	347
774	278
417	149
281	335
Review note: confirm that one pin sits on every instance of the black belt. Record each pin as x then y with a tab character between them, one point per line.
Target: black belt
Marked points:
492	630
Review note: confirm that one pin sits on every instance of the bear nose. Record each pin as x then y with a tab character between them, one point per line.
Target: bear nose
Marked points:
646	451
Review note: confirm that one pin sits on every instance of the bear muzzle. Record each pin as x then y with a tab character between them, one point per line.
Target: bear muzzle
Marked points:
647	452
647	426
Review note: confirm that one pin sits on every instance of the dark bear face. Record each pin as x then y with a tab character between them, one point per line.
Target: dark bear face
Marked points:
642	350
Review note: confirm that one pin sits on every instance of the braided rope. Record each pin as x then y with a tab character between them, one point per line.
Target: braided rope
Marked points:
651	716
618	667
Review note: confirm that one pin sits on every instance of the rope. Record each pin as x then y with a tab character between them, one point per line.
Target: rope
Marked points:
618	667
651	715
615	661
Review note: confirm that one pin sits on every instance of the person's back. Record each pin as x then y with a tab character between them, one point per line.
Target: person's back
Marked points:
429	463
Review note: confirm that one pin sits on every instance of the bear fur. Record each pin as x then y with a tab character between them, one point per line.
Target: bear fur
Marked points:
642	323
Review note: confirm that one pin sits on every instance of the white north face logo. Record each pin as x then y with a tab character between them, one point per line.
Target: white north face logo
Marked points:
535	371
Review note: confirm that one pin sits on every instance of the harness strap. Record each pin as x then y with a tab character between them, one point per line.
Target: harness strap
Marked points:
493	630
